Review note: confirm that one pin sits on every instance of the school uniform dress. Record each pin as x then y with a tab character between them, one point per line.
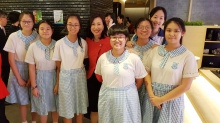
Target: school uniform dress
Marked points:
142	52
18	44
40	55
72	94
95	50
118	96
167	71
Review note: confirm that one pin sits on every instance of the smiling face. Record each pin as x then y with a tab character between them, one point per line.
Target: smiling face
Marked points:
27	22
158	19
73	25
118	41
97	27
45	31
144	30
173	33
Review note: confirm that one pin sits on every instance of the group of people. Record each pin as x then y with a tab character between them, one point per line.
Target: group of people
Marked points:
121	81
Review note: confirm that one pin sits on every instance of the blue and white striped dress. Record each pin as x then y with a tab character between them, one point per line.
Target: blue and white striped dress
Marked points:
40	55
18	44
72	94
167	71
118	96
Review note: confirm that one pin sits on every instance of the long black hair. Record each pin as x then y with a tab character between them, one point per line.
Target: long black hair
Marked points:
80	24
89	33
177	21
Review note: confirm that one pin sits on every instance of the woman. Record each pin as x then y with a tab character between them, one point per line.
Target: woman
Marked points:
42	71
172	68
143	45
98	43
158	16
17	46
69	54
118	97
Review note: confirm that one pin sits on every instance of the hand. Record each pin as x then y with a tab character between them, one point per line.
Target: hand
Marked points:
110	22
130	44
28	83
156	101
155	45
55	90
35	92
21	82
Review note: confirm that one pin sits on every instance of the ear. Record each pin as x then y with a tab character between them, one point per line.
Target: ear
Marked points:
183	33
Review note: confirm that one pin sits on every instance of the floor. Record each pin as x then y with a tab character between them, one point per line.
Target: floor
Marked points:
13	115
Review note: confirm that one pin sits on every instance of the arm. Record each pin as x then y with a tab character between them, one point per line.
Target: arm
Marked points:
99	77
58	63
139	82
32	74
178	91
148	84
11	58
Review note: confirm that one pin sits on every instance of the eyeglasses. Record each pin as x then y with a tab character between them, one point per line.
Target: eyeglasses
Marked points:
26	22
144	27
71	25
117	38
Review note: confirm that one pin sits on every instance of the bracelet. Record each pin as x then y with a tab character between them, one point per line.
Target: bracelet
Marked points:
34	87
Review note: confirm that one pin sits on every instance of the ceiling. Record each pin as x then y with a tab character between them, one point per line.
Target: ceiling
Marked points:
136	1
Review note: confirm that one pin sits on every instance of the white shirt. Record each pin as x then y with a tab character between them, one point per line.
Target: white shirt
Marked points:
15	45
130	69
65	54
35	55
176	68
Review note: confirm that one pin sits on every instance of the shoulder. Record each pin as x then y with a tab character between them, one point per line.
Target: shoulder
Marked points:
161	33
60	41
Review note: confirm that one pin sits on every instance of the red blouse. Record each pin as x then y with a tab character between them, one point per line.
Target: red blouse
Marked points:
95	50
3	90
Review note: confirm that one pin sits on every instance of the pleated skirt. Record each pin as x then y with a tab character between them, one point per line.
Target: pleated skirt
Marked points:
73	95
119	105
47	101
171	112
18	94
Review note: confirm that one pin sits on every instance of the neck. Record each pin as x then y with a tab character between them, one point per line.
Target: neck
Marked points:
142	42
170	47
117	53
46	42
155	32
96	38
72	38
26	33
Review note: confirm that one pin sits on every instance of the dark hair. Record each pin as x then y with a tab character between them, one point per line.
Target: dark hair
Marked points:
112	15
154	10
121	17
141	20
179	22
118	29
45	21
89	33
26	13
2	13
78	18
13	16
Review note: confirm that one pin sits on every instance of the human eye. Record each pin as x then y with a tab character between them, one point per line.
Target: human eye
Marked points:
168	30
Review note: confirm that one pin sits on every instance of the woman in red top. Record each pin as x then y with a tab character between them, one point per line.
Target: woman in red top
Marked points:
98	43
3	93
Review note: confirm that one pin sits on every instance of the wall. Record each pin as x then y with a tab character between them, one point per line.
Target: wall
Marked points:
81	7
202	10
175	8
206	10
135	13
